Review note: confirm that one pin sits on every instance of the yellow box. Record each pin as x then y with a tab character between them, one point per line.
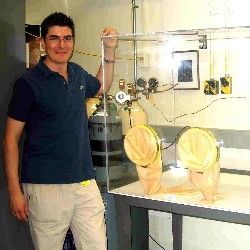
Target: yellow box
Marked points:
211	87
226	85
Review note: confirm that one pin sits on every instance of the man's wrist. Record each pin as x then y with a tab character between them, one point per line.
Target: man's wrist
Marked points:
106	60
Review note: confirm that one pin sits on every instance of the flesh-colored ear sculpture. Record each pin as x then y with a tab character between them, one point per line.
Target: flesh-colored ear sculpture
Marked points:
199	152
143	147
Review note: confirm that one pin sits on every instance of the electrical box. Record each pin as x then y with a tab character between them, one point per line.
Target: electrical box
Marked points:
226	85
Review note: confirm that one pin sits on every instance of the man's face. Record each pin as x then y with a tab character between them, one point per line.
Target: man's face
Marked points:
58	44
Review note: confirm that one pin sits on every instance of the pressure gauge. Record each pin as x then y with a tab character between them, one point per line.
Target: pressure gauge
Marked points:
152	84
141	82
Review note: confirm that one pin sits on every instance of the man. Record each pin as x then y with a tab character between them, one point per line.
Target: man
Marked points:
57	172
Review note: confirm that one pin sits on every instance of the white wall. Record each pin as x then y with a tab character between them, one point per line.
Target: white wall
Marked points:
91	17
161	15
160	230
37	10
197	14
198	234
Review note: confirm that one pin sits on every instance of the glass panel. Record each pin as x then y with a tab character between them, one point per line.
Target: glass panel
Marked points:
180	131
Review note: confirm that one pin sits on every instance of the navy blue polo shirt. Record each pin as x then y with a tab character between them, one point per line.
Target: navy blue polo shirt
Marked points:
57	148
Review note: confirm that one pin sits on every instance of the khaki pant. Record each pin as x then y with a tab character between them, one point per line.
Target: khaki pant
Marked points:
53	208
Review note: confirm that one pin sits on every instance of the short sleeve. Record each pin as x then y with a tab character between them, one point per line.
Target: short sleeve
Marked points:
21	101
93	85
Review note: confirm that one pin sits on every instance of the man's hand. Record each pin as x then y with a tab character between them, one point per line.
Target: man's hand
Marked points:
19	206
110	42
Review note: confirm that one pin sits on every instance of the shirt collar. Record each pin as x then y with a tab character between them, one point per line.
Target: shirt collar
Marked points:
47	71
44	68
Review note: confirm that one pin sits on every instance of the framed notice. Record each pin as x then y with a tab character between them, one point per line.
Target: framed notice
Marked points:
186	69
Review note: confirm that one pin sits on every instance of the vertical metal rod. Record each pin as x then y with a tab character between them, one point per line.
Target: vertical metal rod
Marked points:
134	7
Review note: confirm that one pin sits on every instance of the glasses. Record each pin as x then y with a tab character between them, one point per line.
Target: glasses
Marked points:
57	39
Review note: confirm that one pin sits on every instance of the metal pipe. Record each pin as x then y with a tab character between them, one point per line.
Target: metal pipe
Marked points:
134	7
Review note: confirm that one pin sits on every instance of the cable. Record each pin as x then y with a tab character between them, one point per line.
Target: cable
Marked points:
156	242
176	138
165	90
130	121
32	34
220	98
96	55
193	113
90	54
86	53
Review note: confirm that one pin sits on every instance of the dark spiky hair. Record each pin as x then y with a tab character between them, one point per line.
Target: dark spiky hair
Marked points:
56	19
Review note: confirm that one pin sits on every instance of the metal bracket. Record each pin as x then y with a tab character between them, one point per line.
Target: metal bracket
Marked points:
203	42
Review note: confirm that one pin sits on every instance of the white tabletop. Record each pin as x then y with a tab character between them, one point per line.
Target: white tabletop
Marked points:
233	193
